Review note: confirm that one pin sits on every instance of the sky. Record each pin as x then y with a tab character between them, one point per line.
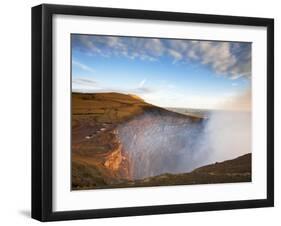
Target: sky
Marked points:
164	72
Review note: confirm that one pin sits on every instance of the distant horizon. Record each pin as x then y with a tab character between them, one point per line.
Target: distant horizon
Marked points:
164	72
166	107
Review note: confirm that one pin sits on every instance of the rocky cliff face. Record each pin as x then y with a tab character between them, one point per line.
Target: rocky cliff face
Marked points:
98	157
160	141
114	159
119	140
118	137
230	171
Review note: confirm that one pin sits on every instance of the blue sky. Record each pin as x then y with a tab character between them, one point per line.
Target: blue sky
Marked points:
164	72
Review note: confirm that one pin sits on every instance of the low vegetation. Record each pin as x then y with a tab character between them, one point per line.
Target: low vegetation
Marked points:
97	157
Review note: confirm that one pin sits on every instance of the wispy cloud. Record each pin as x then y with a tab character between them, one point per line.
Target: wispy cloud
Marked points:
141	90
137	90
86	85
84	82
82	66
141	84
232	59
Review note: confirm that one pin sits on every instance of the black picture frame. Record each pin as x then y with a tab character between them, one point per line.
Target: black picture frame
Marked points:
42	107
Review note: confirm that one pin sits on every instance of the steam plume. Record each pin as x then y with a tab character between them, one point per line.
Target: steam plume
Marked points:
228	132
159	142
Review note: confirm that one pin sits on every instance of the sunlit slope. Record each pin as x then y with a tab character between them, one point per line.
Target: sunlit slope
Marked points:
107	107
107	148
230	171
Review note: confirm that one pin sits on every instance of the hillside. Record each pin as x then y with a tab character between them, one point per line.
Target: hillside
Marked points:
119	140
107	107
96	151
230	171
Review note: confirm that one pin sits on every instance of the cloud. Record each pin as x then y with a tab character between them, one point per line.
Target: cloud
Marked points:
231	59
141	84
225	58
82	66
85	85
84	82
175	55
141	90
238	102
137	91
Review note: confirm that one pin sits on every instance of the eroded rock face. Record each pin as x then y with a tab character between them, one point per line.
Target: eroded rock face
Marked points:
113	161
118	138
158	143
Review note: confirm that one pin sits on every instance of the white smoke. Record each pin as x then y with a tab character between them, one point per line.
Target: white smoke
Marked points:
228	135
160	142
228	132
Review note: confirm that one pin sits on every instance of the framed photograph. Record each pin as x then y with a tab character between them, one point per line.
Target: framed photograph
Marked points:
145	112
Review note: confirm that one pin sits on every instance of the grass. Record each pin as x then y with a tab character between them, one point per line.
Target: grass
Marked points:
96	116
